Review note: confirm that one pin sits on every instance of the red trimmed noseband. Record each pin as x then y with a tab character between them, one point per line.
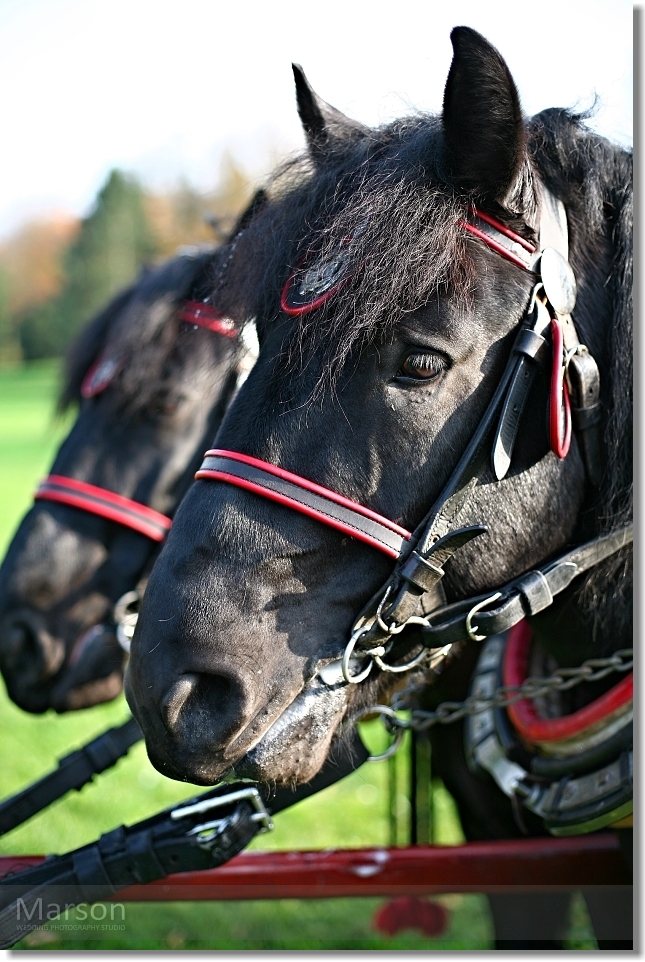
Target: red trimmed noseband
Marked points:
105	504
304	496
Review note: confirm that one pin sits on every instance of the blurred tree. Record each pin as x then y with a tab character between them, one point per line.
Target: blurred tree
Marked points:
112	244
10	352
31	273
55	274
184	216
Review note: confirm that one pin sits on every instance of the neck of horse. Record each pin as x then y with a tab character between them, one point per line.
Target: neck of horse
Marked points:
595	617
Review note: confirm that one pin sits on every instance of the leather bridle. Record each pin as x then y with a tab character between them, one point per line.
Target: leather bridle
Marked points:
108	504
574	395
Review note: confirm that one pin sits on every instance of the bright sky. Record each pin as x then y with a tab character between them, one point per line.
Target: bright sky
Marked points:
163	88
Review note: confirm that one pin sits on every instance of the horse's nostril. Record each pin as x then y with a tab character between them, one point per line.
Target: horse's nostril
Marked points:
28	650
205	708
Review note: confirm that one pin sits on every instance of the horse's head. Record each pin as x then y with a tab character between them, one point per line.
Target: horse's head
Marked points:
385	326
152	388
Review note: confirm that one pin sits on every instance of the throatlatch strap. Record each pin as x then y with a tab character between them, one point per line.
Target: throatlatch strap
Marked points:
302	495
104	503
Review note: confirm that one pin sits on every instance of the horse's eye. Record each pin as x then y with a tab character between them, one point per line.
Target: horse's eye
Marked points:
421	367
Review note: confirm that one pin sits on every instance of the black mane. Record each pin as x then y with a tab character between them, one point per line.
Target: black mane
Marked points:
390	192
141	325
594	179
406	245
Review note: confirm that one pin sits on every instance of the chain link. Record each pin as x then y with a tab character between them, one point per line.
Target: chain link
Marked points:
452	711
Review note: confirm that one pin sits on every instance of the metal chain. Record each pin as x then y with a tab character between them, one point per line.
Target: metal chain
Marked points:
452	711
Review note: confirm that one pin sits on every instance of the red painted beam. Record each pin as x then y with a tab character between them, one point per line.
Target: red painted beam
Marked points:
527	864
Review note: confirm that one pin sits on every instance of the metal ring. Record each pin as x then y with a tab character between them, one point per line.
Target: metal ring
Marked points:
398	738
392	629
347	654
121	607
398	735
482	604
395	669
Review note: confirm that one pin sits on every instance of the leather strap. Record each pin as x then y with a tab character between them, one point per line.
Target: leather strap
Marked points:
304	496
73	772
525	595
204	315
154	848
105	504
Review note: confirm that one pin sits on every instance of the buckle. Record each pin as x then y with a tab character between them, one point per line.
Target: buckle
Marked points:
207	831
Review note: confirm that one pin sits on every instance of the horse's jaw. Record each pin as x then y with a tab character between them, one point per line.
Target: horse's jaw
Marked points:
295	746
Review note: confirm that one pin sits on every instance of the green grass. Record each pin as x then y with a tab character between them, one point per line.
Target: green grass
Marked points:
353	813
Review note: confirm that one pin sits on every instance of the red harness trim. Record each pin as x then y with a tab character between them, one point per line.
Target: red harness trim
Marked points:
204	315
105	504
559	403
524	714
496	243
322	504
517	238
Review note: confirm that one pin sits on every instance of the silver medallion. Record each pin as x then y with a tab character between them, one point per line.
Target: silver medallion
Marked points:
558	279
323	275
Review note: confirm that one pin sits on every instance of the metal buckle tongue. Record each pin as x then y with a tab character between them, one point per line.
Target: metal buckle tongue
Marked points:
208	831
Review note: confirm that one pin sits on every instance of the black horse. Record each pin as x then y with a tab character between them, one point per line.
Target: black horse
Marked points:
385	329
152	388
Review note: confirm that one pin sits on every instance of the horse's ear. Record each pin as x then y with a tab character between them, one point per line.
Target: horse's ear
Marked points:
482	118
321	121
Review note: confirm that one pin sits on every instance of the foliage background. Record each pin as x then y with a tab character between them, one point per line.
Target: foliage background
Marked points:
56	272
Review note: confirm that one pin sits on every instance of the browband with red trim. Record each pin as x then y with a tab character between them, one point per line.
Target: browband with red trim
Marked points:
204	315
303	495
104	503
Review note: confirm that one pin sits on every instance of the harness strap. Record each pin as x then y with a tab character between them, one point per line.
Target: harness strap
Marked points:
204	315
105	504
73	772
519	597
175	840
551	302
304	496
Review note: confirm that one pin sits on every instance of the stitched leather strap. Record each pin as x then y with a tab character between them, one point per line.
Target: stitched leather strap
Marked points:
524	595
302	495
151	849
73	772
105	504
